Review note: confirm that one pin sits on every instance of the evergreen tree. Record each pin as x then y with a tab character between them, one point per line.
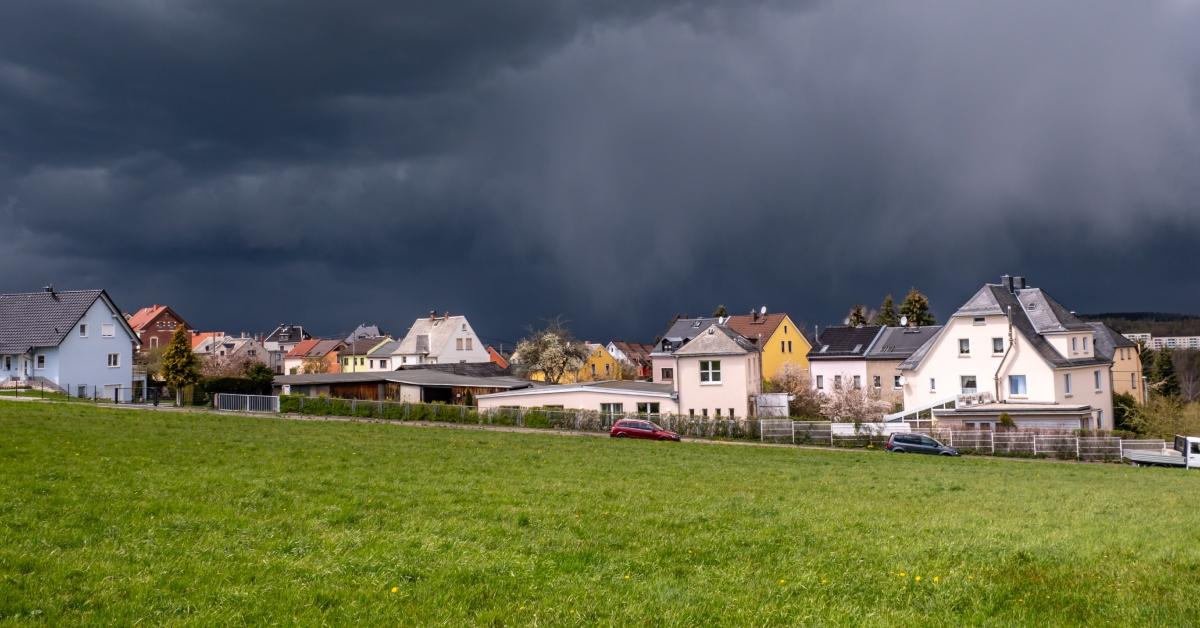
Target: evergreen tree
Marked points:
887	313
916	308
1162	374
720	312
858	316
261	375
180	368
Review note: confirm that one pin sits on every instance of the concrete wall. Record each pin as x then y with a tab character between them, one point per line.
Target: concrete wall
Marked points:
580	400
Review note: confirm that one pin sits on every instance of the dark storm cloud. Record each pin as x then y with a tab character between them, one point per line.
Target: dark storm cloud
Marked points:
613	162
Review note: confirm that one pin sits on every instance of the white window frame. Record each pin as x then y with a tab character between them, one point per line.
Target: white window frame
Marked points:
83	330
962	384
896	385
710	372
1067	384
108	330
820	382
153	342
1012	379
964	346
1099	383
114	360
996	351
39	362
666	374
857	382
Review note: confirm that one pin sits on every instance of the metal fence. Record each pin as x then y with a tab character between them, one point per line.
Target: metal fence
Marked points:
246	403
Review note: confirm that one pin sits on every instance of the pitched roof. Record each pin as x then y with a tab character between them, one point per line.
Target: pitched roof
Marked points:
287	333
43	319
364	331
497	359
650	389
1107	341
899	343
717	340
470	369
681	331
364	346
752	326
842	342
146	315
386	349
314	348
634	351
201	337
438	328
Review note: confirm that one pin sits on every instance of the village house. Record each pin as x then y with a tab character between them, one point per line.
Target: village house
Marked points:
600	365
783	344
313	356
154	326
1010	350
356	356
233	351
1125	355
280	342
866	357
634	354
716	373
73	341
440	339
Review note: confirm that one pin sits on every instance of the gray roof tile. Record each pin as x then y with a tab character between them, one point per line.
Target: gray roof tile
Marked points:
41	319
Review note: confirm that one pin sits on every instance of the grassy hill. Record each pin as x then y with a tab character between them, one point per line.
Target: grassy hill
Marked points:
122	516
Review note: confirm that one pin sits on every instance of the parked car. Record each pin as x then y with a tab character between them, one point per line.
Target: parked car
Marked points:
637	428
917	444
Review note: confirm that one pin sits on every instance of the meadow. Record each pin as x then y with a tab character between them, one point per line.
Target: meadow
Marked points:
117	516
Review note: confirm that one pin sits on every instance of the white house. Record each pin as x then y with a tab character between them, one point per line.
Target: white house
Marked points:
438	340
838	357
75	341
716	373
1011	349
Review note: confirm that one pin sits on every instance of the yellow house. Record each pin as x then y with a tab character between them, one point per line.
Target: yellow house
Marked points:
354	357
600	366
1126	358
777	336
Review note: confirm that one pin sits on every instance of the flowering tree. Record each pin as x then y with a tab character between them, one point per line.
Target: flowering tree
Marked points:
853	404
552	351
803	401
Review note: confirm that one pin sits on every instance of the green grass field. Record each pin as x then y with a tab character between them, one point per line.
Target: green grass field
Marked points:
123	516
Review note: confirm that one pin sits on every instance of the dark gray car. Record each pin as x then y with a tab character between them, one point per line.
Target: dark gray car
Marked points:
917	444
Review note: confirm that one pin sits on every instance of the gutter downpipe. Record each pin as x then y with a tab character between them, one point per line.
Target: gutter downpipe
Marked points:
1003	358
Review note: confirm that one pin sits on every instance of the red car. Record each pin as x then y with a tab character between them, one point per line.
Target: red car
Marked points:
637	428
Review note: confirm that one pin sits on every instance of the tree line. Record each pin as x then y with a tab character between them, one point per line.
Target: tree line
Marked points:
915	308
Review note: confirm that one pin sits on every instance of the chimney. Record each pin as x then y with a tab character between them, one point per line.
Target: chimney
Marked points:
48	289
1007	282
1019	283
754	315
446	315
432	314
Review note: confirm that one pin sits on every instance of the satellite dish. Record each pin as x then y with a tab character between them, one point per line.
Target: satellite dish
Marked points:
904	321
846	321
902	380
763	310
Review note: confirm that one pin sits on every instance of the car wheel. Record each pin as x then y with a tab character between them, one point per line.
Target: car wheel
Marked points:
618	435
897	451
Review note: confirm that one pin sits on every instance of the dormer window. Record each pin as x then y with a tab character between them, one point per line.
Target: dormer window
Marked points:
1074	344
695	324
1085	344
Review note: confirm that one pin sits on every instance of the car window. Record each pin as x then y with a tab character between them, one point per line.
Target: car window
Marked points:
929	442
653	426
905	438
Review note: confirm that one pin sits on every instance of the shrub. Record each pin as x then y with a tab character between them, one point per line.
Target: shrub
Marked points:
537	418
366	409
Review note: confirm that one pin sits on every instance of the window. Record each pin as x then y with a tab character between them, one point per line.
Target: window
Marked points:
648	408
964	346
345	361
782	346
608	369
932	385
469	344
458	344
153	342
593	370
731	413
107	330
997	345
789	346
1067	383
1016	385
612	410
383	364
114	360
969	386
252	352
668	374
8	362
718	412
820	382
837	382
1133	381
83	330
1074	344
710	371
1096	377
896	382
858	382
979	320
875	381
464	327
691	412
1085	344
372	363
41	362
704	412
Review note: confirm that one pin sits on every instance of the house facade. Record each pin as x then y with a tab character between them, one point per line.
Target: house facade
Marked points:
440	339
635	354
1125	355
839	358
356	356
154	326
75	341
1011	350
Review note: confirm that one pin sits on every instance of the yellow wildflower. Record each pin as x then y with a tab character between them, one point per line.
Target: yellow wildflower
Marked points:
395	589
917	578
936	579
782	581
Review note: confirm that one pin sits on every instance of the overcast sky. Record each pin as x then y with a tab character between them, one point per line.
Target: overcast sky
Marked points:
329	163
